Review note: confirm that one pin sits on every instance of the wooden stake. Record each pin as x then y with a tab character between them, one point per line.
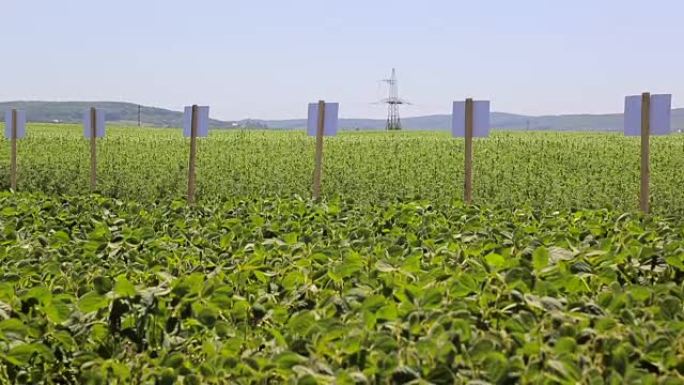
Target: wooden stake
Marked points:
193	155
318	157
13	154
468	184
644	194
93	149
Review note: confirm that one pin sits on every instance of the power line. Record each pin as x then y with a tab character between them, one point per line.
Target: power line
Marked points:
393	101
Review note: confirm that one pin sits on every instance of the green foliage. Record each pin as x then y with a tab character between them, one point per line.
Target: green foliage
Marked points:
540	170
102	291
390	280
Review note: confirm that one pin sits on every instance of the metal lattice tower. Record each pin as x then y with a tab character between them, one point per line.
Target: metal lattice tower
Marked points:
393	101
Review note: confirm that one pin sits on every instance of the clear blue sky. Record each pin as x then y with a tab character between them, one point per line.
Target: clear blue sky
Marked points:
267	59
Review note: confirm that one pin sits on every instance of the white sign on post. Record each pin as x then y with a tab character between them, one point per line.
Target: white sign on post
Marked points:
21	124
99	119
331	120
480	119
659	120
202	121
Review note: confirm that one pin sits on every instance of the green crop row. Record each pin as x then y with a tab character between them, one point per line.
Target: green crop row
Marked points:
551	277
264	291
539	170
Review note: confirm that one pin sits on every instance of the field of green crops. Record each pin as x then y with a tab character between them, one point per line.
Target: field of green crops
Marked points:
538	170
550	278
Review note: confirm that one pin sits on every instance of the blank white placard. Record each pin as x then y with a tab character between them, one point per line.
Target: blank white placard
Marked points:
202	121
21	124
331	119
480	119
99	119
660	119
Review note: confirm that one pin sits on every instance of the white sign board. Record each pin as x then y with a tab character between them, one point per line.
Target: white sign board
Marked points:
21	124
660	118
99	128
330	123
480	119
202	121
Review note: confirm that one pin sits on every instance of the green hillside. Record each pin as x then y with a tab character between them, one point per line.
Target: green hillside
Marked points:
125	113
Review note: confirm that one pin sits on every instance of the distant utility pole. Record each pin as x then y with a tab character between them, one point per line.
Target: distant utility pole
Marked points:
139	108
393	101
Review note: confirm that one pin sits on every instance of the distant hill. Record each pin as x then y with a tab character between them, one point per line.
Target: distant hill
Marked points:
127	113
120	112
499	120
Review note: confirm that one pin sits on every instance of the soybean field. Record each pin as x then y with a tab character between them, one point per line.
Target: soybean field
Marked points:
550	277
538	170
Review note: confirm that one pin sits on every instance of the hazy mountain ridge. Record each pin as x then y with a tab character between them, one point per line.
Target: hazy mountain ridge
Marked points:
127	113
499	120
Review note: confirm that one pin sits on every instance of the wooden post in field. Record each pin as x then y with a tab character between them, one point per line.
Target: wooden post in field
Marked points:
468	184
13	154
318	158
193	154
93	149
644	193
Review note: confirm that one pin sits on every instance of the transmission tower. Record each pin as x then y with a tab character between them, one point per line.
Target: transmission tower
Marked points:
393	101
